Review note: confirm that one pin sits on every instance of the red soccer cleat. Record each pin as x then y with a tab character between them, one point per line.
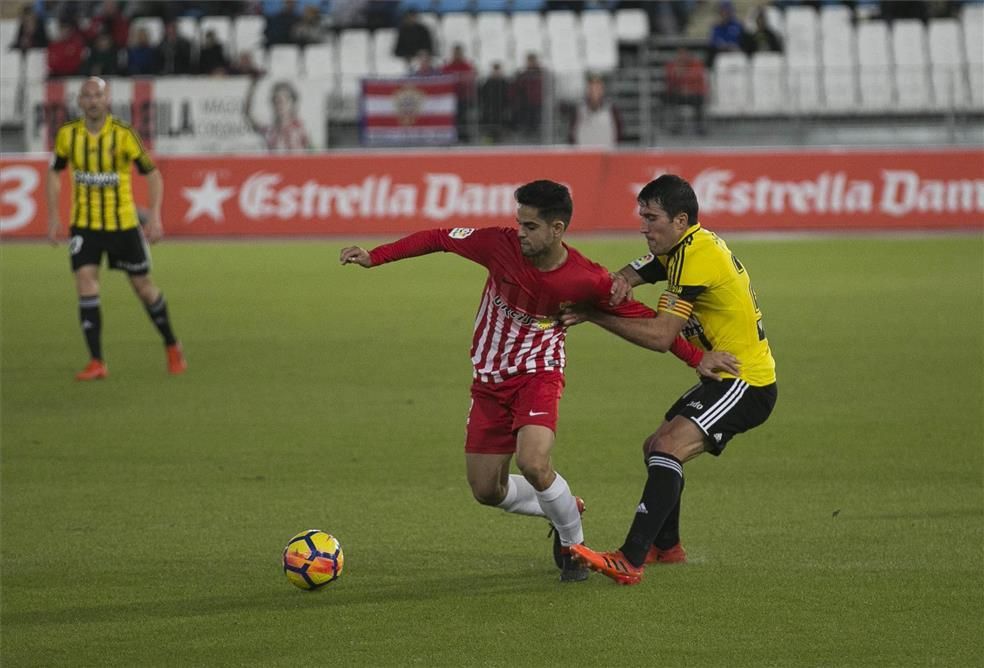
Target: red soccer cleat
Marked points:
176	363
94	370
610	564
673	555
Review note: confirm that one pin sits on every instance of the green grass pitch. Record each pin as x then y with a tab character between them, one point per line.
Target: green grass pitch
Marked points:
143	517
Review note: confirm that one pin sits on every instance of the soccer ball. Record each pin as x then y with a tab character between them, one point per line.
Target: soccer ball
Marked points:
313	559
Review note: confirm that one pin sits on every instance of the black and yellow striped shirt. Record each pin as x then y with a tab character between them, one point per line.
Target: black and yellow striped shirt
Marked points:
102	198
709	288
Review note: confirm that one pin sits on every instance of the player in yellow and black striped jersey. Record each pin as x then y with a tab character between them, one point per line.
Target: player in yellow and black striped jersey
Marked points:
709	299
101	152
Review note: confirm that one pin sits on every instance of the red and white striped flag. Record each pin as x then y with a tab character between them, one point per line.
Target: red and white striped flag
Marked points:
408	111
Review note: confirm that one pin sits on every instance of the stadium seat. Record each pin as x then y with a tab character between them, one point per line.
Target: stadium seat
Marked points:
529	36
248	33
730	85
458	29
36	66
8	33
10	74
433	23
838	58
154	26
566	55
911	59
188	28
631	26
802	58
353	62
385	64
972	21
768	92
492	30
874	66
600	45
775	19
947	64
284	60
320	62
222	26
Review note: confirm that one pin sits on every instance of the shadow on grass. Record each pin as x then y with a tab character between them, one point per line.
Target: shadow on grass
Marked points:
288	599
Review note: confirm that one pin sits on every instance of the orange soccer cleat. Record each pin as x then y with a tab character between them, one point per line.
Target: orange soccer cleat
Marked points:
610	564
672	555
176	363
94	370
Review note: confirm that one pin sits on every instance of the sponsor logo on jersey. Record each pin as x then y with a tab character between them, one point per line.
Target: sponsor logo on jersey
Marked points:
98	179
461	232
696	404
643	261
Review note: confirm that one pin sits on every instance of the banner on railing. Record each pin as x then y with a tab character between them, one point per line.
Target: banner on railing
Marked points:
411	111
389	193
195	114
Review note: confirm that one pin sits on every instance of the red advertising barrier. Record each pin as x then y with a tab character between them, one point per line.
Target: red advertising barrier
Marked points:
392	193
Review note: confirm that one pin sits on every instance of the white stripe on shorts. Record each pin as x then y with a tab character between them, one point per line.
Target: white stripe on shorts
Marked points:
722	405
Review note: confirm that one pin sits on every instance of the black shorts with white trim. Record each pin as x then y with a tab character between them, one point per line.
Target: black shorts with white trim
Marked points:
723	409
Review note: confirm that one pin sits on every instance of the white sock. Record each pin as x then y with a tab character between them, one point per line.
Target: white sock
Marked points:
559	506
521	497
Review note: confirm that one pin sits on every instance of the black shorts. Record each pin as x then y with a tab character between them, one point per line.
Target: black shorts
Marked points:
127	250
723	409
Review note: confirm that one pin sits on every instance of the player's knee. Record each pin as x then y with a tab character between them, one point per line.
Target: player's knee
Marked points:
656	443
487	494
537	472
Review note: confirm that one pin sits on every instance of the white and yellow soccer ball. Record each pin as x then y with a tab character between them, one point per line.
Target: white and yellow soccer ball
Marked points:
313	559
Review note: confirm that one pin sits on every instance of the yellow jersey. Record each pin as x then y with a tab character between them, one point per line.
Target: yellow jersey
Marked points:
102	198
709	288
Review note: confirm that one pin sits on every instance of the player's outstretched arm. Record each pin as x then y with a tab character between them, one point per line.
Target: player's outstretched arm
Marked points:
355	255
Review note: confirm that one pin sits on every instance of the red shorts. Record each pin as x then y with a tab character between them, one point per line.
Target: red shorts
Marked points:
498	410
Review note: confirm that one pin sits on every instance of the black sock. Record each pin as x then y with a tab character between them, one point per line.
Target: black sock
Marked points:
660	495
669	535
158	314
91	320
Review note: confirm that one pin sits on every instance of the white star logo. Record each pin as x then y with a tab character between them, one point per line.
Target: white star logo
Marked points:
206	199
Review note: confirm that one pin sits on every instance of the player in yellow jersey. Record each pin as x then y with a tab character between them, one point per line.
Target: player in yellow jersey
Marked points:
101	152
710	301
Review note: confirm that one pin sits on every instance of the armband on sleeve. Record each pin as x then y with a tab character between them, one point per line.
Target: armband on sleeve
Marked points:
687	351
649	268
58	163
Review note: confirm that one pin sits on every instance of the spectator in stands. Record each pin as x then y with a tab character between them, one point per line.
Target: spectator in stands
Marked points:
244	66
423	65
141	57
493	104
763	38
412	38
464	89
211	58
728	34
110	19
686	86
174	53
280	26
30	32
103	59
528	97
310	28
66	51
596	121
286	130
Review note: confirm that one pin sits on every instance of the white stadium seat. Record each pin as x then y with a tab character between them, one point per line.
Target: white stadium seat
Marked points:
353	62
631	25
529	36
36	66
768	91
385	64
874	66
492	30
839	60
8	33
154	26
803	58
284	60
458	28
247	32
972	21
320	62
946	58
566	55
911	65
730	85
600	46
188	28
433	23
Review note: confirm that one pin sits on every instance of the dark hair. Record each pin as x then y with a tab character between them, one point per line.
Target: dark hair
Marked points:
286	87
672	193
551	200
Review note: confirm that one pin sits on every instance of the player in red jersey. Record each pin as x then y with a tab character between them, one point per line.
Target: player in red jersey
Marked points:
518	354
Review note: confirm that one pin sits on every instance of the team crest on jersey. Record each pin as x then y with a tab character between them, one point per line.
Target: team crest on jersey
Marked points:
643	261
461	232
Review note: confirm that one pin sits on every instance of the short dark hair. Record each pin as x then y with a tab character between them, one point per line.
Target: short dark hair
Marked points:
551	200
674	194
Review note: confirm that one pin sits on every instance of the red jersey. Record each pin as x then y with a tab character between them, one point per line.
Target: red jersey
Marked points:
516	328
